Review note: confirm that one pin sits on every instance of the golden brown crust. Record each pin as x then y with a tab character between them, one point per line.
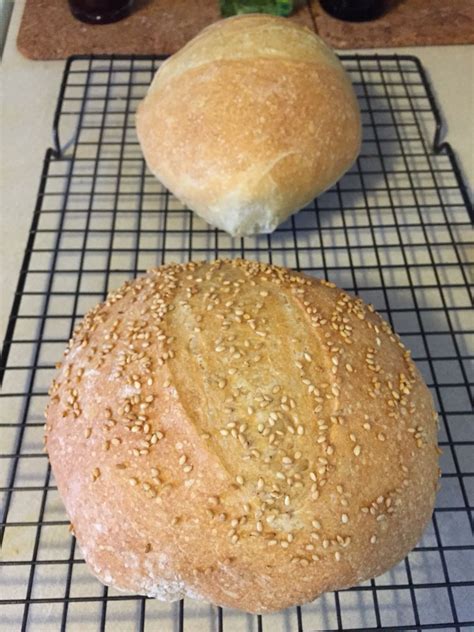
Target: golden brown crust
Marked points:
241	433
249	122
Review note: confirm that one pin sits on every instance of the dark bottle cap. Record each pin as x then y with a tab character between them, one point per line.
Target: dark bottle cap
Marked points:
100	11
354	10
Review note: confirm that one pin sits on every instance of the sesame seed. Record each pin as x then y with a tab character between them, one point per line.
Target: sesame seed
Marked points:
239	479
357	450
316	524
133	481
337	556
95	473
344	518
373	539
182	459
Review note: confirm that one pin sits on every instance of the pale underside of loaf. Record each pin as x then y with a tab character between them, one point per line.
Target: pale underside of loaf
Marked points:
281	442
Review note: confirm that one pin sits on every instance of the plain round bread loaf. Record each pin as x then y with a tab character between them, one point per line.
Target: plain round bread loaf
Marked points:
240	433
249	122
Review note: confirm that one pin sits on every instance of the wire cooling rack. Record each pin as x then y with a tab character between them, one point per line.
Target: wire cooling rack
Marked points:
395	230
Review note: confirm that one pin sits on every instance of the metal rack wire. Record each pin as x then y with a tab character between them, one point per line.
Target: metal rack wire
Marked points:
395	230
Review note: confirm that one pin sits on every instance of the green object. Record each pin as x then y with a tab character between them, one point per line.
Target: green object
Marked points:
276	7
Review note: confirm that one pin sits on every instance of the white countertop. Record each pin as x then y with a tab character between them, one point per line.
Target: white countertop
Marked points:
30	90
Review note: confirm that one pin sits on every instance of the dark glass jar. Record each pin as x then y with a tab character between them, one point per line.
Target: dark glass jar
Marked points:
354	10
100	11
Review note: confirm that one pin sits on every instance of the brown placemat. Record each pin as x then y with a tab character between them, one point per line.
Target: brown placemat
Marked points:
405	23
48	30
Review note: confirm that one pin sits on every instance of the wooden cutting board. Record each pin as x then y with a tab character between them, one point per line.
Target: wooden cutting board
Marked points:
48	30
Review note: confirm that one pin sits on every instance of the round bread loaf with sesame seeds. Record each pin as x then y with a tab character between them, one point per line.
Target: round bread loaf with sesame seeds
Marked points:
240	433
